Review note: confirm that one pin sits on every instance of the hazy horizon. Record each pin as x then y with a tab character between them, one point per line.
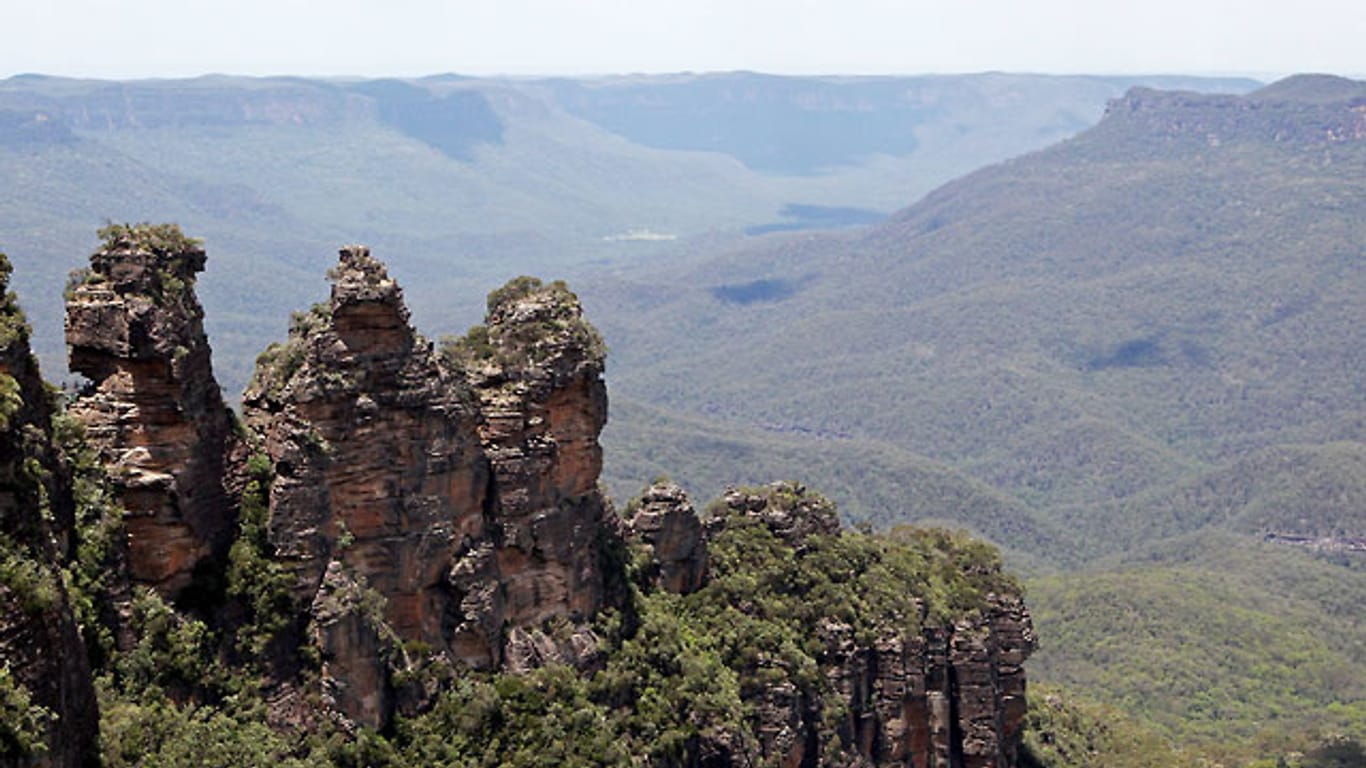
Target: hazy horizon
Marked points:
136	39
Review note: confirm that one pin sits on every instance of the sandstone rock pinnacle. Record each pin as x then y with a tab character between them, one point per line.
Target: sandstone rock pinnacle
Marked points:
458	487
134	328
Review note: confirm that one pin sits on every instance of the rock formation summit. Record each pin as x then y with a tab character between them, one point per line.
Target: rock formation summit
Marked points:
460	486
152	407
389	520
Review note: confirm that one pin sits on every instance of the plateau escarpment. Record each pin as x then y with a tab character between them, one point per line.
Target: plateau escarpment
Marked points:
396	531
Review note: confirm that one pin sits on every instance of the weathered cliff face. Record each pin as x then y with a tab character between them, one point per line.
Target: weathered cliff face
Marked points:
463	498
536	369
663	519
948	695
42	656
152	408
951	697
375	450
434	511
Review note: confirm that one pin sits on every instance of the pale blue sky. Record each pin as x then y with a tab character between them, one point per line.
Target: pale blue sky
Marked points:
165	38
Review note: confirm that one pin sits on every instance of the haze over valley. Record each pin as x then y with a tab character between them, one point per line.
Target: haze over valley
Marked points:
737	416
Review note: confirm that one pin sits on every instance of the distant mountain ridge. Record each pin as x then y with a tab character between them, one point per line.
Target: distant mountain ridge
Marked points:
1304	109
1076	278
470	181
802	125
450	120
1144	345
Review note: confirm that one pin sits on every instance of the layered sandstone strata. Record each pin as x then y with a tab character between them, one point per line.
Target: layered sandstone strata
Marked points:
458	487
536	369
152	407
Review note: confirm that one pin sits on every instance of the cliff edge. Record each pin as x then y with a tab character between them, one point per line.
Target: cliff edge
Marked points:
400	555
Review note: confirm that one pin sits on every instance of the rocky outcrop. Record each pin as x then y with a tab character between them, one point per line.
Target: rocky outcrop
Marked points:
537	371
380	482
412	513
949	695
152	408
786	509
48	713
457	488
663	519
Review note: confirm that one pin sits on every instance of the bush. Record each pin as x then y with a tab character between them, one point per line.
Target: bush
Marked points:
23	724
160	239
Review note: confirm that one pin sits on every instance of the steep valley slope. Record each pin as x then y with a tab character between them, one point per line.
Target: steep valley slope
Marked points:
471	181
1144	343
1170	291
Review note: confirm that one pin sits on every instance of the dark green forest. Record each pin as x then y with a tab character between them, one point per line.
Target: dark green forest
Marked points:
1132	359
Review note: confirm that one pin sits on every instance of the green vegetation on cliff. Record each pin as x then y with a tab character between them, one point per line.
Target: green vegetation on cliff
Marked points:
683	675
548	316
681	678
160	239
22	722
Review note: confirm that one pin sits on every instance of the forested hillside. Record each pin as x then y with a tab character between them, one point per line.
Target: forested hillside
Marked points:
1134	357
1120	313
1131	359
471	181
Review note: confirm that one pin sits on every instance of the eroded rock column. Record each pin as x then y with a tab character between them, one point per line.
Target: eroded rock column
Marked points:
536	368
152	408
379	480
